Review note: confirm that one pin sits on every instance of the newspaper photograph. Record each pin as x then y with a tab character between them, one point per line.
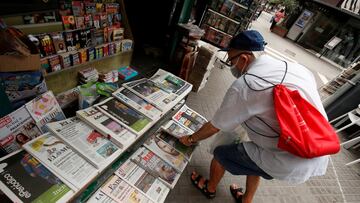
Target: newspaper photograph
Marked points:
136	176
130	118
75	171
174	142
149	161
138	103
107	126
176	129
45	109
171	83
16	129
166	152
121	191
86	141
189	119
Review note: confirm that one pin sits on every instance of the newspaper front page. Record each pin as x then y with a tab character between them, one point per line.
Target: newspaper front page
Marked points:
189	119
174	142
171	83
175	129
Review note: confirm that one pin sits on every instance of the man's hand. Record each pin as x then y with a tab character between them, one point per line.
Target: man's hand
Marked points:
185	140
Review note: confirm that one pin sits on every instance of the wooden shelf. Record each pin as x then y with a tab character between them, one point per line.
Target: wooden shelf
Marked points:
237	22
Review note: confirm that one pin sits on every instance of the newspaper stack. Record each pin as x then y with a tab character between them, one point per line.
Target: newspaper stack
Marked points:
88	75
109	77
202	68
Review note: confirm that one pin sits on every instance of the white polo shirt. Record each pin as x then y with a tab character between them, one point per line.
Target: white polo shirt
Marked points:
241	104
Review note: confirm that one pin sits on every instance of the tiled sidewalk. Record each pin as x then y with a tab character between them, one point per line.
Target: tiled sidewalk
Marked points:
340	184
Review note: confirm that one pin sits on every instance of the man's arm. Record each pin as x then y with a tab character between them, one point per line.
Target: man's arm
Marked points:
207	130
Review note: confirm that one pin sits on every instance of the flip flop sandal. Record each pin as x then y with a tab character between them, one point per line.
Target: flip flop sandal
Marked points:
234	194
204	189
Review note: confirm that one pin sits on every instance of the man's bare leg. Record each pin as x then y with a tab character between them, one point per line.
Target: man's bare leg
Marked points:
252	183
216	173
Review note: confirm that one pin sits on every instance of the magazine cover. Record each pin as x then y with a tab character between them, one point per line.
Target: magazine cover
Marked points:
166	152
16	129
68	22
59	42
174	142
171	83
121	191
189	118
45	109
61	160
25	179
149	161
138	103
130	118
176	129
117	133
86	141
136	176
100	197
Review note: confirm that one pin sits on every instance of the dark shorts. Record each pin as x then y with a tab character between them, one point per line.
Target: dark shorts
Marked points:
235	160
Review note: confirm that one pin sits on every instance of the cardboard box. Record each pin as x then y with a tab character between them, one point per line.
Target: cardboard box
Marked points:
12	63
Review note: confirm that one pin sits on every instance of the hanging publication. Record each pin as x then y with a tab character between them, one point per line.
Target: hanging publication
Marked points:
176	129
138	103
127	116
16	129
166	152
89	143
153	164
100	197
107	126
174	142
25	179
171	83
189	119
136	176
71	168
45	109
121	191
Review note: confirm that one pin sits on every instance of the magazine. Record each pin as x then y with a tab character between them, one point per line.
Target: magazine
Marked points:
166	152
122	112
61	160
149	161
189	119
114	131
171	83
25	179
176	129
174	142
136	176
148	90
138	103
100	197
45	109
121	191
85	140
16	129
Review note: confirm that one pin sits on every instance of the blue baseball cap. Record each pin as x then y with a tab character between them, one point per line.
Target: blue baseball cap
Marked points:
248	40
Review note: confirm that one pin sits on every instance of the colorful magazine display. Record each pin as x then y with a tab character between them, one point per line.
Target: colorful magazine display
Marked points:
121	191
16	129
107	126
59	158
175	129
153	164
89	143
138	103
166	152
176	144
136	176
25	179
45	109
189	119
122	112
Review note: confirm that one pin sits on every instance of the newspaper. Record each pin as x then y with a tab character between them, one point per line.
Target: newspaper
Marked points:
138	103
68	97
189	119
24	179
100	197
89	143
71	168
175	129
174	142
45	109
171	83
127	116
147	90
136	176
149	161
121	191
16	129
107	126
166	152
